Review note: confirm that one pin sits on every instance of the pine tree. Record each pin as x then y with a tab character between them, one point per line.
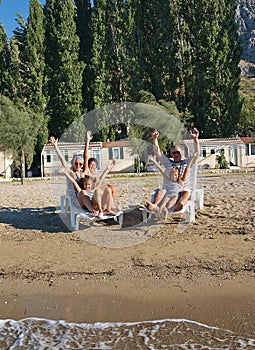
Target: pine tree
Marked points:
18	131
63	69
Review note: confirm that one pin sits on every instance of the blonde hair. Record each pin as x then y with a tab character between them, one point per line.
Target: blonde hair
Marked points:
175	170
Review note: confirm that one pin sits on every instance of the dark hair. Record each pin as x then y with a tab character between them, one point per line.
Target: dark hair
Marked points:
84	179
90	160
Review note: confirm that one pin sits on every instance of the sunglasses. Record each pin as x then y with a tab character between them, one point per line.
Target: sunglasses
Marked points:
76	163
176	152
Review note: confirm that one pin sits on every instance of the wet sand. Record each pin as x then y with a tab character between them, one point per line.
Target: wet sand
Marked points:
204	271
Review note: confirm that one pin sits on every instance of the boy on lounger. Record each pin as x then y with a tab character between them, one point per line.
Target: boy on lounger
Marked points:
173	182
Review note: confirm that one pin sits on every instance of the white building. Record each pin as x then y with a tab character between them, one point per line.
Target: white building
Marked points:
102	151
5	164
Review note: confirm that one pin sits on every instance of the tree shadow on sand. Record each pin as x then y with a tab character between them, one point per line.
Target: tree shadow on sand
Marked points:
41	219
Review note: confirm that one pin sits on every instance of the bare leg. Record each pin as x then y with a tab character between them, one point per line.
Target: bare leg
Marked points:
85	201
163	203
171	203
158	197
182	201
113	189
97	200
107	199
109	204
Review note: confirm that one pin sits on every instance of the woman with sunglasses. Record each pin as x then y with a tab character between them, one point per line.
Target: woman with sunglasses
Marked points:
177	160
90	168
88	191
76	163
105	195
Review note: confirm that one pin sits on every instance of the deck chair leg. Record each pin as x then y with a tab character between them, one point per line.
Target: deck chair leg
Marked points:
191	211
77	222
63	204
145	216
72	219
200	198
119	219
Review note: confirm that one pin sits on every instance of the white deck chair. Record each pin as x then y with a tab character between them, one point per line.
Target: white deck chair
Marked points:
70	205
196	200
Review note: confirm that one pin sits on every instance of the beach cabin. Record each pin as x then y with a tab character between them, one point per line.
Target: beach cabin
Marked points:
249	157
5	164
102	151
234	150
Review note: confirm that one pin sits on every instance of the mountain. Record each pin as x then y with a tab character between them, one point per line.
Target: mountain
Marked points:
245	18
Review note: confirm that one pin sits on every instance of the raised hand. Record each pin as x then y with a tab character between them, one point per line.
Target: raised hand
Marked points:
194	133
53	140
155	134
89	135
151	158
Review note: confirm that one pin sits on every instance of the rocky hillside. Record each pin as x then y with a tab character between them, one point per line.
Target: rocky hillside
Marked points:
245	17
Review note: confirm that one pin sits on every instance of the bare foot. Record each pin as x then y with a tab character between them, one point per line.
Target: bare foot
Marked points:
113	211
95	213
150	206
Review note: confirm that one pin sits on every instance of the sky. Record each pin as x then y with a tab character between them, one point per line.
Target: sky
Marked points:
8	9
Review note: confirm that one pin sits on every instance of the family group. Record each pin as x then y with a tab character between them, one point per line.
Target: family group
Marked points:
92	194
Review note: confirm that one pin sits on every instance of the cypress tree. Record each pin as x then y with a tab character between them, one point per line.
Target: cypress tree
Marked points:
36	63
226	101
84	31
18	62
154	34
36	52
63	69
209	58
4	62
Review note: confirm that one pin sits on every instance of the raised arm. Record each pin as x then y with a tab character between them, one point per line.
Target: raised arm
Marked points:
156	149
72	180
195	134
88	138
60	156
160	168
105	172
192	160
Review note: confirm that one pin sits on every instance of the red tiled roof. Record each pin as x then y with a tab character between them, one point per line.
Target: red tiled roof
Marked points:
248	139
120	143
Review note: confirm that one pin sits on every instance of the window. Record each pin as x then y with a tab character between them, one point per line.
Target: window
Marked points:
204	153
116	152
48	157
250	149
212	151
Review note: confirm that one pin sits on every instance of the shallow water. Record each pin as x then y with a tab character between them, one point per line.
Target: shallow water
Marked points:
35	333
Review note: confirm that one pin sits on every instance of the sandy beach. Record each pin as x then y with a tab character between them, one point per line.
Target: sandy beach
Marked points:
204	271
